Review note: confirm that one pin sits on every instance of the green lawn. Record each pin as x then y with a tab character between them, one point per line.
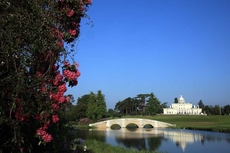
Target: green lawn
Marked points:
213	123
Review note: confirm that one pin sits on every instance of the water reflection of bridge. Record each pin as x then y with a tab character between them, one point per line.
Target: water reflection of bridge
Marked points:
179	137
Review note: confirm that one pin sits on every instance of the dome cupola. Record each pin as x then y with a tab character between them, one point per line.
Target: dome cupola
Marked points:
181	100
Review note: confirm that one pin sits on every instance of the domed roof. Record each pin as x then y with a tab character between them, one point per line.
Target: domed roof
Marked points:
181	99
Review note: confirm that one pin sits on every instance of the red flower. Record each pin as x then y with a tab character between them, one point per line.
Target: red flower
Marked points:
58	77
55	118
88	2
55	107
61	99
67	99
72	32
47	137
40	132
70	13
62	88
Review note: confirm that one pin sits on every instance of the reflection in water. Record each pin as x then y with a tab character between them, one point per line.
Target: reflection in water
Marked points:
182	138
137	138
165	140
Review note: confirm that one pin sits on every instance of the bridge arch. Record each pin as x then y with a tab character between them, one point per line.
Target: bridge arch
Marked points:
148	126
129	124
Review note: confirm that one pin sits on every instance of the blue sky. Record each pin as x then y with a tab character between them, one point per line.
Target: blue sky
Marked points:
168	47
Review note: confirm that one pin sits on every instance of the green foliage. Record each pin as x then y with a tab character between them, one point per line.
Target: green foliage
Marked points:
96	106
138	105
153	105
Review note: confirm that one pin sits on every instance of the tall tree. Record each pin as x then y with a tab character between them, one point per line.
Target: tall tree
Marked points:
175	100
92	107
201	105
153	105
142	98
101	105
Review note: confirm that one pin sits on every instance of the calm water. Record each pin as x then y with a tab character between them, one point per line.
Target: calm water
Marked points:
164	140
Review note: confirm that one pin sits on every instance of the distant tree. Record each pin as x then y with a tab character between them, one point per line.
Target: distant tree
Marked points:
142	98
175	100
201	105
216	110
207	109
153	105
111	112
226	110
101	105
162	106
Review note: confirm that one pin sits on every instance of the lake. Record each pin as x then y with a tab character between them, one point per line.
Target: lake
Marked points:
163	140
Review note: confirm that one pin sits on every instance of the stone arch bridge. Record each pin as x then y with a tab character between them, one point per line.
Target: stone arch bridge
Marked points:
123	122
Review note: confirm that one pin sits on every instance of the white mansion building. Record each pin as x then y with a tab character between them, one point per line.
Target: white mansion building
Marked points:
182	108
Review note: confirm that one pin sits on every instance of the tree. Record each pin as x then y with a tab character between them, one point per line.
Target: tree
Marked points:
34	73
111	112
101	104
162	106
153	105
142	98
92	107
175	100
201	105
97	106
227	110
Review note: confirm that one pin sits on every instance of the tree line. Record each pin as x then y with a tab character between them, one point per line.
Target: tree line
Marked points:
142	104
92	106
214	110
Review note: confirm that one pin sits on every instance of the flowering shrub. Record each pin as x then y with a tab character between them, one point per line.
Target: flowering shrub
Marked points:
84	121
34	73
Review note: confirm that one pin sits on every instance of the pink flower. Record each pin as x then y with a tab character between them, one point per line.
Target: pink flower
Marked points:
55	107
61	99
67	99
72	32
47	137
70	13
88	2
62	88
40	132
45	127
58	76
66	63
55	118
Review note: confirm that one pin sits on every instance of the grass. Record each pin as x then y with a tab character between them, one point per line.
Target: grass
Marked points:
210	123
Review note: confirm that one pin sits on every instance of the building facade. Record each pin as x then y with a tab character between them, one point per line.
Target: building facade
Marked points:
182	108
